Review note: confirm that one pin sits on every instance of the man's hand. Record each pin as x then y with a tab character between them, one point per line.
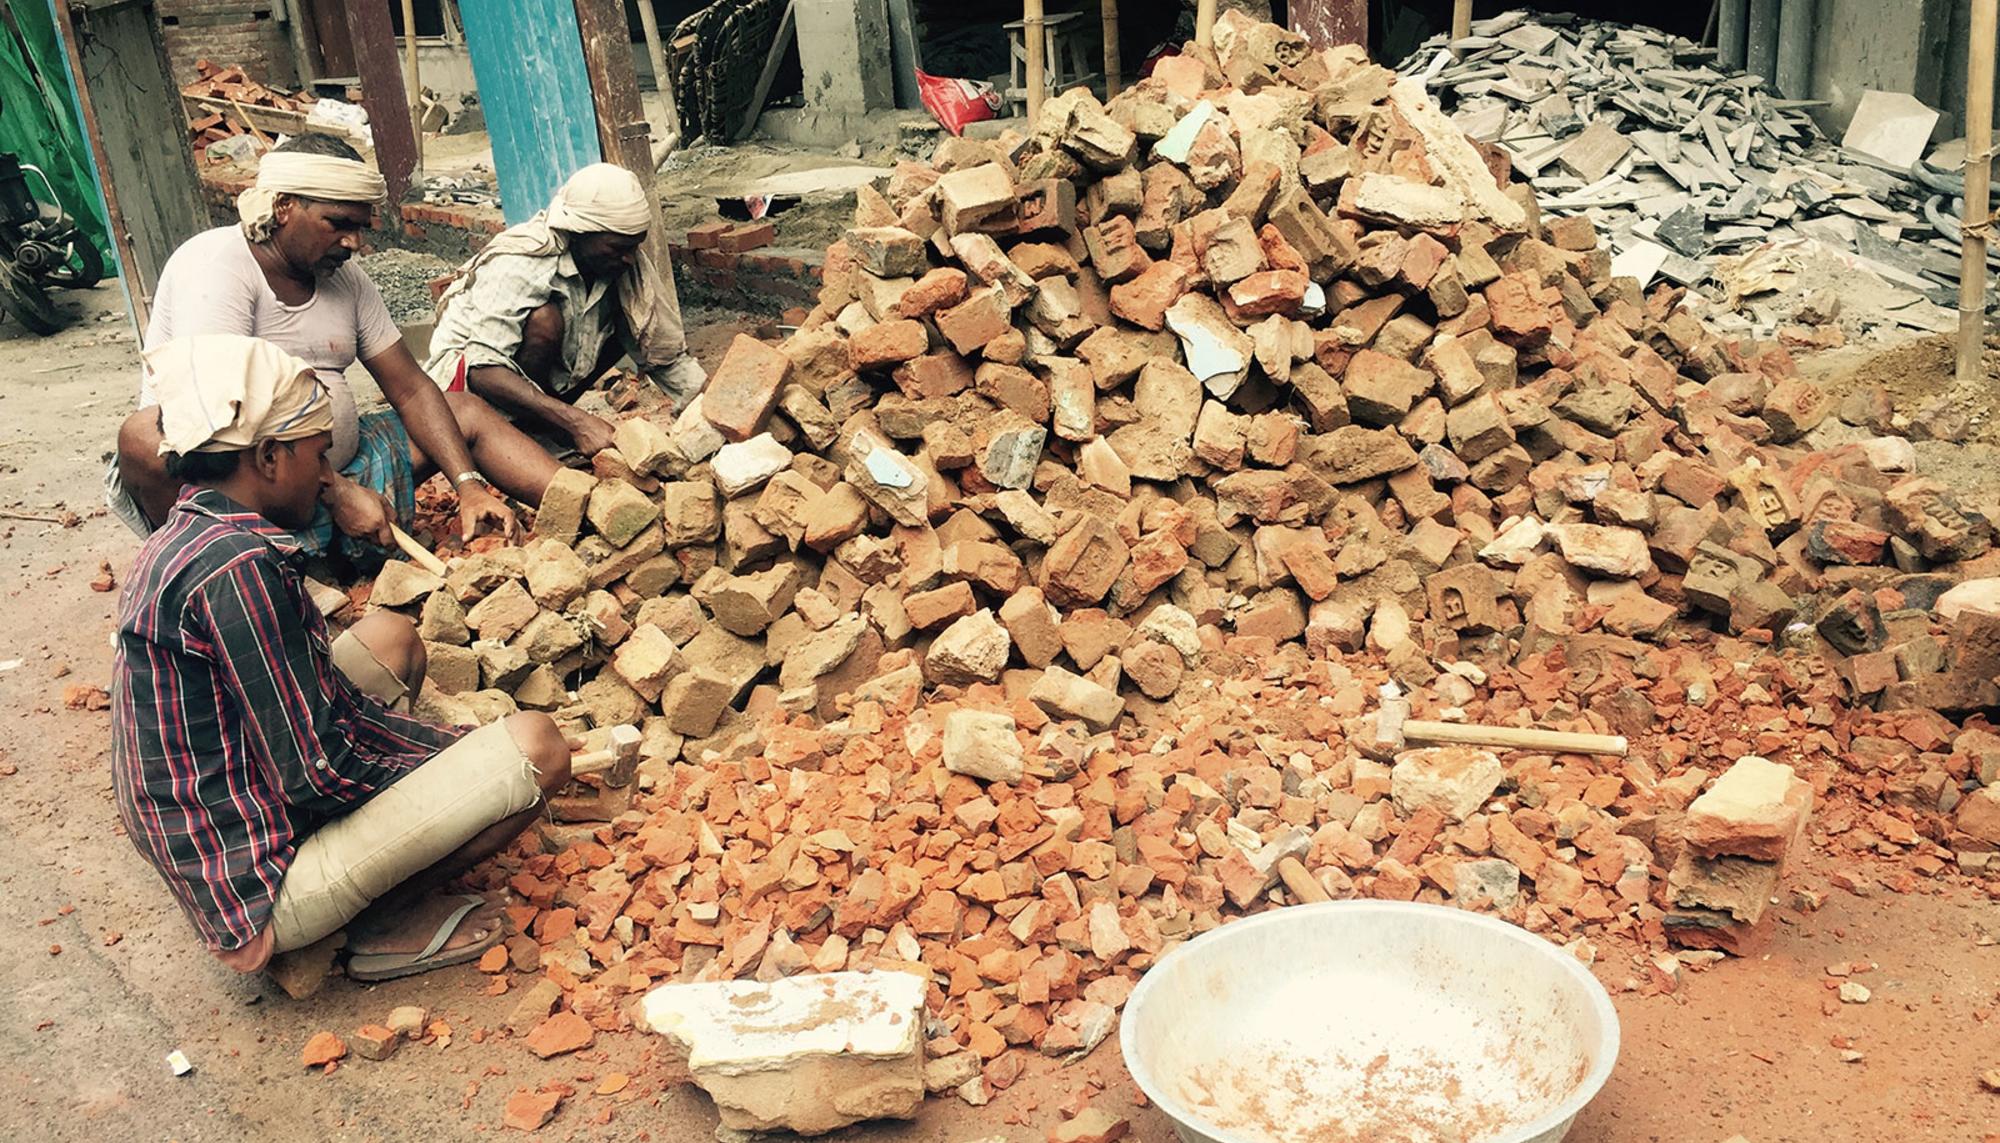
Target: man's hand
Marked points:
253	956
592	434
478	507
360	512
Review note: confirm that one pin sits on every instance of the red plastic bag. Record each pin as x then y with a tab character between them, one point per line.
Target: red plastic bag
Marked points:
956	102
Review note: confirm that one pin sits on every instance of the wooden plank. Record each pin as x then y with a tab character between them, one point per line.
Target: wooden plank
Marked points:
330	34
621	119
137	129
382	94
788	25
270	120
623	134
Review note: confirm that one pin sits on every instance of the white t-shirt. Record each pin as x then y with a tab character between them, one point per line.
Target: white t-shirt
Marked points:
212	284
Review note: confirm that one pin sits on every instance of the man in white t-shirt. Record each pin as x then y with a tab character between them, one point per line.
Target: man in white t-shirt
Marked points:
283	275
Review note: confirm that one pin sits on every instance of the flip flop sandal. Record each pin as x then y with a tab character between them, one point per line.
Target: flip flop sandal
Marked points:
389	966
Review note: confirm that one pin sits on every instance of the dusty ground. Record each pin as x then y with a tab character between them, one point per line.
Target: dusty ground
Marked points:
692	180
100	977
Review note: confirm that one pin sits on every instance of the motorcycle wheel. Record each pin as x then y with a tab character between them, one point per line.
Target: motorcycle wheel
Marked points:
84	269
27	302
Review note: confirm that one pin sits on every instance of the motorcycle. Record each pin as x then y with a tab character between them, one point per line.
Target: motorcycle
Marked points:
40	249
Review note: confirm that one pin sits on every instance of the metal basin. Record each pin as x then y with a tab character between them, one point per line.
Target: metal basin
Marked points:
1369	1022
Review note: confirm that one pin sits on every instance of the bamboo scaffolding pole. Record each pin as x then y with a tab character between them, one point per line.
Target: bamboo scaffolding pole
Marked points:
1978	192
1032	34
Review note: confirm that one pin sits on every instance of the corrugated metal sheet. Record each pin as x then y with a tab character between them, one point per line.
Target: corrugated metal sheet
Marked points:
527	58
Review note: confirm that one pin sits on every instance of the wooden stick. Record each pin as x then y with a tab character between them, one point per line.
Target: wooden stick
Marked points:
1461	19
1513	738
787	29
415	94
244	114
1971	367
1032	31
668	133
1113	68
1204	23
616	761
421	556
37	517
1300	881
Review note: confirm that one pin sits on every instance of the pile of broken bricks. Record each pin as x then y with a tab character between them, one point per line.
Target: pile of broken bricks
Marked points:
1020	615
1680	159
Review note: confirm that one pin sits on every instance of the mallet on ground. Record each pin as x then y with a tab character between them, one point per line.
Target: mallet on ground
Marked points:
1394	729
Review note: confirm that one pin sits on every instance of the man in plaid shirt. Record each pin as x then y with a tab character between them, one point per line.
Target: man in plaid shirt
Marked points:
270	774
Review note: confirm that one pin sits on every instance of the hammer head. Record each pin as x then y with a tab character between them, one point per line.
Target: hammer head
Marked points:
624	747
1389	719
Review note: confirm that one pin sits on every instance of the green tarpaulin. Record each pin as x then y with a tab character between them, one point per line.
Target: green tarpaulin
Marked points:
38	114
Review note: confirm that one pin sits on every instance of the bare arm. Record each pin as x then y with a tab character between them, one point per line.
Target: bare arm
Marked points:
510	390
428	419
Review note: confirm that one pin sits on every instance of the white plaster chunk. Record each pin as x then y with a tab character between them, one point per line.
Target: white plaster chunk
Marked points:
739	468
809	1054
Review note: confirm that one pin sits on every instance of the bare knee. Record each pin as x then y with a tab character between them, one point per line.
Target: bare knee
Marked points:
394	642
542	741
472	413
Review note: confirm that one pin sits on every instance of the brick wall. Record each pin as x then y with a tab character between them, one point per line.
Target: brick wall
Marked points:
226	32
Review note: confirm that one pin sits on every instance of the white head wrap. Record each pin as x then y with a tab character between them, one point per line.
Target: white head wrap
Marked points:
225	392
601	197
324	177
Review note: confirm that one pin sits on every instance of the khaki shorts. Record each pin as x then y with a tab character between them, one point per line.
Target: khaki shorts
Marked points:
428	814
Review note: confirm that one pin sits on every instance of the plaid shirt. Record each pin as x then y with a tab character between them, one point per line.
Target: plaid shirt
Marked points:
234	735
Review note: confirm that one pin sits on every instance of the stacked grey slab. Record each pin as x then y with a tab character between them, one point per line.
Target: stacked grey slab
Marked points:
1679	159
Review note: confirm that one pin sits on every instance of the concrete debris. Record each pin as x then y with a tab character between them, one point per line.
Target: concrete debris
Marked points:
810	1054
1045	651
1679	161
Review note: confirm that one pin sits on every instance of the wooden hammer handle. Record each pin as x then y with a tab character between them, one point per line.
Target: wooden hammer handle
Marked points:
423	557
616	761
1513	738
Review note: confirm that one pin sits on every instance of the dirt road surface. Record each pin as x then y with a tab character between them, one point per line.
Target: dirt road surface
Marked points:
100	976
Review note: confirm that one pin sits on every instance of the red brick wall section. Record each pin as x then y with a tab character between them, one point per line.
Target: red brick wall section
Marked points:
227	32
770	278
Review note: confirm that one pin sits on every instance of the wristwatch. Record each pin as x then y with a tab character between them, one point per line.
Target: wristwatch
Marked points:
458	481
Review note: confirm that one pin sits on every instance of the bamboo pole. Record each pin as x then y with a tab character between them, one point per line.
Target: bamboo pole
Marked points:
668	133
1113	68
1032	33
1978	192
411	80
1204	23
1461	19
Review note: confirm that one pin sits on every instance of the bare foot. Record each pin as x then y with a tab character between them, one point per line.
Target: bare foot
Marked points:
411	930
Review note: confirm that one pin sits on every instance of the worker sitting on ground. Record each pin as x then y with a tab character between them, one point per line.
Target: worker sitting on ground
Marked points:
274	779
548	306
283	275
